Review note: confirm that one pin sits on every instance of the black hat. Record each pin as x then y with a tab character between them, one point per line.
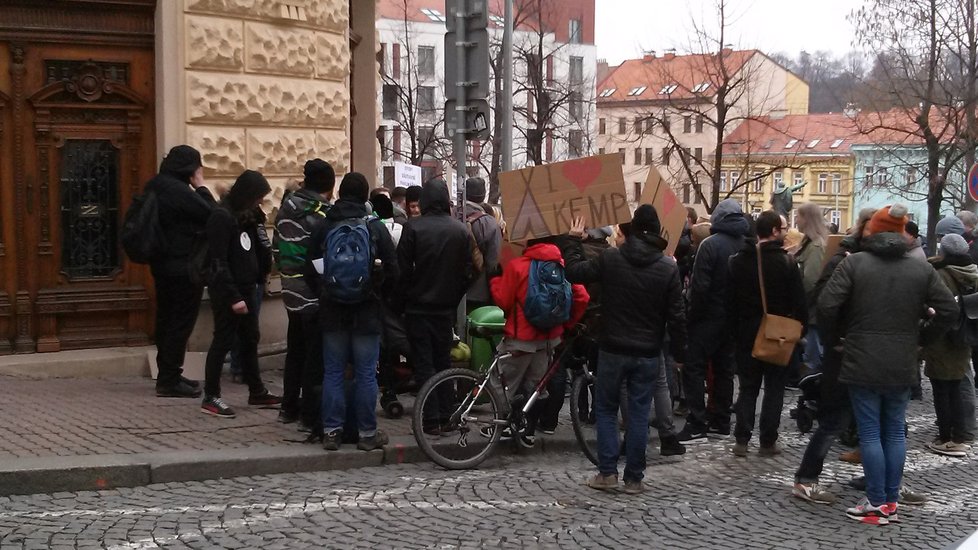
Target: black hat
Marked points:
355	187
475	189
413	193
181	161
646	220
383	206
248	188
319	176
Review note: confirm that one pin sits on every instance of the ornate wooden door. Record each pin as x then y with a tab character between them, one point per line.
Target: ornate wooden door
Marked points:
78	121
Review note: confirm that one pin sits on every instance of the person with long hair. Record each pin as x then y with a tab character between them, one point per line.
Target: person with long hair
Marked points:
810	257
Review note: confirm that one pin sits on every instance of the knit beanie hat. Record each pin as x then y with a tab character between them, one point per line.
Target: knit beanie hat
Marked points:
954	245
950	225
181	161
319	175
383	206
248	188
355	187
475	189
889	219
646	220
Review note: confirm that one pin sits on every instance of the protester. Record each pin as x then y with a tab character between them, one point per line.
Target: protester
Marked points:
384	209
969	219
785	297
874	300
647	299
412	201
488	239
810	258
710	343
356	258
834	414
945	360
238	264
528	339
184	208
300	213
399	198
435	259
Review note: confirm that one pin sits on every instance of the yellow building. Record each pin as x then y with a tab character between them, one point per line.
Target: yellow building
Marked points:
810	152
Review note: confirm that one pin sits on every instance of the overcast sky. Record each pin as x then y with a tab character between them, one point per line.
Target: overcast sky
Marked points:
627	27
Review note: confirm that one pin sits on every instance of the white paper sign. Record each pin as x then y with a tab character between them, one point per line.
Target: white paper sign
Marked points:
406	175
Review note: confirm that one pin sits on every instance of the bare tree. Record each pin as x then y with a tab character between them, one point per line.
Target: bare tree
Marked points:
926	64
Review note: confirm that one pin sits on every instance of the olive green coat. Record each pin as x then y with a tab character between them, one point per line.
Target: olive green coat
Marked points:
944	360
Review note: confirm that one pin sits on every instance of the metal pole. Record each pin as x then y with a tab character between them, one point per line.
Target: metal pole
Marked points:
460	110
507	107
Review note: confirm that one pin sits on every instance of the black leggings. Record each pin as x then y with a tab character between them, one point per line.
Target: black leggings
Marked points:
947	406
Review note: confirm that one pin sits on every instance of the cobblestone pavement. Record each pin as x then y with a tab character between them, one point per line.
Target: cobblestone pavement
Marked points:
706	499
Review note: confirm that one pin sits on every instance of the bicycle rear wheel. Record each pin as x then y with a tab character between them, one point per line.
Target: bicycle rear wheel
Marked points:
461	444
583	418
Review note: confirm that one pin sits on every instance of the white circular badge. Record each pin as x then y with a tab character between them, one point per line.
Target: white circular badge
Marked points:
245	241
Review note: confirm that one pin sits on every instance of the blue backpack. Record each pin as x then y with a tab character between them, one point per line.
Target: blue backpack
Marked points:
347	261
548	295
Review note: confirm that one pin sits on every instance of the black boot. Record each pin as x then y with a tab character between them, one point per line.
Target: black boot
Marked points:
670	446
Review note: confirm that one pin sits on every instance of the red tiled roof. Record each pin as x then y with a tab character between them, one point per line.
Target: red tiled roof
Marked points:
688	73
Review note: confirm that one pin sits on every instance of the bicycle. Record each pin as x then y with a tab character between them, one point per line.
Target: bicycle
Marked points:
476	405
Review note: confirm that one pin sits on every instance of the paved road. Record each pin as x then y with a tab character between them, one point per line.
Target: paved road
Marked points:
707	499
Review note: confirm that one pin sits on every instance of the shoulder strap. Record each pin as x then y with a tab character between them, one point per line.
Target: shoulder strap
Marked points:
760	278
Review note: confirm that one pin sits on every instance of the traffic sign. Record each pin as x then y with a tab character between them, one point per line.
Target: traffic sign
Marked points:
973	182
475	123
476	52
476	13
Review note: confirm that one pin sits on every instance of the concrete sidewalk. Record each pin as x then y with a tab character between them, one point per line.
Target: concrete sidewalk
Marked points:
81	434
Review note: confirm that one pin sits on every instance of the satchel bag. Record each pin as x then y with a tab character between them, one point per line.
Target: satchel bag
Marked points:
777	335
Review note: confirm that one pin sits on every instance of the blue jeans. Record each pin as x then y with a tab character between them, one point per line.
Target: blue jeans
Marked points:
881	415
363	352
638	374
813	350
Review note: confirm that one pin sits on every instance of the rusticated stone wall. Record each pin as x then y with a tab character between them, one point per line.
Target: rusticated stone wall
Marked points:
267	88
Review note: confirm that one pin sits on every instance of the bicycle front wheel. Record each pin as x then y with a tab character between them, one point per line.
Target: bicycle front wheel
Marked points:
582	415
469	419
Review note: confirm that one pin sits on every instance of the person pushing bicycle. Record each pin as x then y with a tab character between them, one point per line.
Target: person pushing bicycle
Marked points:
539	304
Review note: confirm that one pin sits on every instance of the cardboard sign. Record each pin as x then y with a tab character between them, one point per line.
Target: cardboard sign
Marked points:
544	200
406	175
672	213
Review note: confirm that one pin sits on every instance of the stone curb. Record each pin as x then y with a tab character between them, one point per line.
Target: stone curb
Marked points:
100	472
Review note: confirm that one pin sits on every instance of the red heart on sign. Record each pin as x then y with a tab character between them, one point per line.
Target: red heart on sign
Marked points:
582	173
668	202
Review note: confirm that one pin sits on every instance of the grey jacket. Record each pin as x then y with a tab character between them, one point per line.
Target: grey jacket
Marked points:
489	238
876	300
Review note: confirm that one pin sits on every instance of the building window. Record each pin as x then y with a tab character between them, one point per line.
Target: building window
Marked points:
385	151
575	141
426	61
426	100
649	125
389	177
601	126
575	31
778	178
696	197
687	124
686	193
600	150
638	157
622	125
576	70
882	176
649	153
383	59
576	106
637	191
666	155
823	180
426	139
912	175
835	217
868	172
666	122
396	61
621	153
797	177
637	125
699	124
836	183
723	181
698	155
734	180
758	181
390	101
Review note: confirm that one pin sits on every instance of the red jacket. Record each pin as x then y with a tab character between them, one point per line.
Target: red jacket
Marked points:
509	291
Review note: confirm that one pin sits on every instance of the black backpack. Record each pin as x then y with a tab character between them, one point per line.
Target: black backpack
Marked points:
965	333
142	235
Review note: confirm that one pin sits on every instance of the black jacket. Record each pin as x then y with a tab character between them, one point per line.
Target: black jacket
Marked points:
365	317
646	296
183	215
434	256
709	280
782	283
876	299
238	256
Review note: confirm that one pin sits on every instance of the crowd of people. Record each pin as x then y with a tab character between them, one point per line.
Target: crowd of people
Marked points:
374	274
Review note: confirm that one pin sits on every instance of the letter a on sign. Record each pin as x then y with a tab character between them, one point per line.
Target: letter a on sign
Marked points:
529	222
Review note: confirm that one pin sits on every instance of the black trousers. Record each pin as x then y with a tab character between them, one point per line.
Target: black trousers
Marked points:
752	373
227	325
431	352
177	305
303	377
707	350
948	408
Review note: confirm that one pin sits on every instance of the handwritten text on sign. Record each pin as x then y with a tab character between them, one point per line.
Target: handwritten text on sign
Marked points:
544	200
